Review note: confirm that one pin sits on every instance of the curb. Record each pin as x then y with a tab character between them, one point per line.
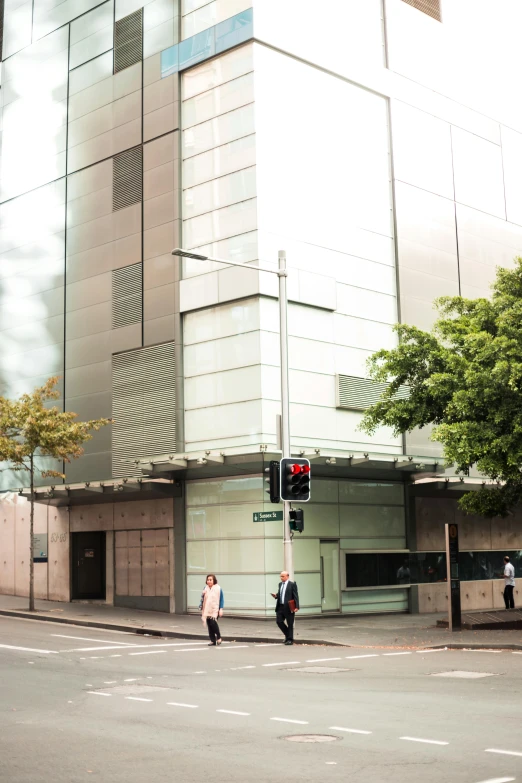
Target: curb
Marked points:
142	630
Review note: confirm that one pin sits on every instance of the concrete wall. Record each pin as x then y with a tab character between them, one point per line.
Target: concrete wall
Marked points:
484	594
474	532
51	579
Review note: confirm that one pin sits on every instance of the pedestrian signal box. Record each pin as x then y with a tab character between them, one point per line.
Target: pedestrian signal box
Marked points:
295	480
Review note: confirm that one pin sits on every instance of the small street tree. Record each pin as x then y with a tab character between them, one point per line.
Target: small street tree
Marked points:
29	430
465	378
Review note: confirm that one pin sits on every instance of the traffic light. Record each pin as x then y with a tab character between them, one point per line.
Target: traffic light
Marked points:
273	481
295	479
297	519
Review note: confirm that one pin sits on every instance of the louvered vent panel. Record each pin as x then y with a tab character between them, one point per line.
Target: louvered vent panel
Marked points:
430	7
2	4
359	393
128	41
127	178
127	295
143	406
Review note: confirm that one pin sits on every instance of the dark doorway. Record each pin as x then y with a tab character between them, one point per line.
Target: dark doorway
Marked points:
88	565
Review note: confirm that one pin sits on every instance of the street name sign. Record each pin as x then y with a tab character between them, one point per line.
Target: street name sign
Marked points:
268	516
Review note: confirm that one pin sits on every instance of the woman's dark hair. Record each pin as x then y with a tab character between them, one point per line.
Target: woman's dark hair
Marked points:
213	577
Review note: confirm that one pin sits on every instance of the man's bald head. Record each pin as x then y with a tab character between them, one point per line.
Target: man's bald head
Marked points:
284	576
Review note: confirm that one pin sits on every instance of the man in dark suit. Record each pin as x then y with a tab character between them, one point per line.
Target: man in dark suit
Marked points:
284	615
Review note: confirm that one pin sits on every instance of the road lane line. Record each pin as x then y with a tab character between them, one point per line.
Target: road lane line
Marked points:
130	646
498	780
281	663
350	731
401	653
110	656
109	682
370	655
439	649
149	652
238	668
233	712
28	649
99	693
505	752
88	639
288	720
136	698
427	741
179	704
131	679
319	660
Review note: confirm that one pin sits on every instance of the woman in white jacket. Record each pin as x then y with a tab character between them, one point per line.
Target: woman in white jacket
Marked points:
211	610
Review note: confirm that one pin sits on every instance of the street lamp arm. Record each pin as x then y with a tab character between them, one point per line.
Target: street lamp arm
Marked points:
197	257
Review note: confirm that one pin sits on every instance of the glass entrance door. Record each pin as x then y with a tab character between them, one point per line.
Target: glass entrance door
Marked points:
330	587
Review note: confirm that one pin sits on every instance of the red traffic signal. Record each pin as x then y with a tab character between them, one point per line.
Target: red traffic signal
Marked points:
295	479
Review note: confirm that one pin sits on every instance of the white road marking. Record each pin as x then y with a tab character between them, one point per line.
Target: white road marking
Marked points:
110	656
109	682
88	639
440	649
199	672
196	649
31	663
505	752
350	731
483	651
498	780
136	698
331	762
429	742
238	668
287	720
236	647
131	679
270	644
95	649
282	663
401	653
179	704
99	693
89	685
95	657
28	649
370	655
149	652
232	712
319	660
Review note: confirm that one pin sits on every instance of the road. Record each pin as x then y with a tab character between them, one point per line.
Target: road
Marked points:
80	704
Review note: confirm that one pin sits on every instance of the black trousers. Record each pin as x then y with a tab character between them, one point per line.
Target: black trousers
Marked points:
508	597
213	629
286	627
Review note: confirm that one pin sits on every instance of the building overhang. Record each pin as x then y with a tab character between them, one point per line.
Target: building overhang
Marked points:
325	464
110	491
449	486
161	476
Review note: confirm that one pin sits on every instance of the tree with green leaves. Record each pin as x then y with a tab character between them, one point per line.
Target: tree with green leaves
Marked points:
465	379
30	430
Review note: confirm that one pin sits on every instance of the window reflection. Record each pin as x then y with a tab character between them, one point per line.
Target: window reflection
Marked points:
376	569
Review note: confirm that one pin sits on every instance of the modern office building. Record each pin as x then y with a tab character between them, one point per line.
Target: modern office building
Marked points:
377	142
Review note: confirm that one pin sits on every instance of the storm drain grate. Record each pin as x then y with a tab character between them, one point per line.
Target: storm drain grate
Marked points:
465	675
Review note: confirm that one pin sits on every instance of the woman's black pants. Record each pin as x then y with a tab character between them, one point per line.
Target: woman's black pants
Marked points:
213	629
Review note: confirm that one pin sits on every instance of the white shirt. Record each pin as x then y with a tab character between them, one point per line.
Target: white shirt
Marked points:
509	574
283	591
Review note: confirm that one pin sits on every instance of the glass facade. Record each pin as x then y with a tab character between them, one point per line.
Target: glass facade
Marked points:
399	568
210	42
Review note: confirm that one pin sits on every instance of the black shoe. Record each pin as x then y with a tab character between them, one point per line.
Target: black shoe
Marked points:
288	642
212	644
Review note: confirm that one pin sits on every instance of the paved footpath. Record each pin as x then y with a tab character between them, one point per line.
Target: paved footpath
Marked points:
82	704
386	630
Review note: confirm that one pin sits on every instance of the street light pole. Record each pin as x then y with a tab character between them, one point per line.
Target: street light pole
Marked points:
288	555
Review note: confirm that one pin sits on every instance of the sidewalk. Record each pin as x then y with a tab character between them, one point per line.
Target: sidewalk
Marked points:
385	630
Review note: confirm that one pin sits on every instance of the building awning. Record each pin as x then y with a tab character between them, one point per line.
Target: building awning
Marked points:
161	476
325	463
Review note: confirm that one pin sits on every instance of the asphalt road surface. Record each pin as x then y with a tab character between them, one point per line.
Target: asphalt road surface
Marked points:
80	704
